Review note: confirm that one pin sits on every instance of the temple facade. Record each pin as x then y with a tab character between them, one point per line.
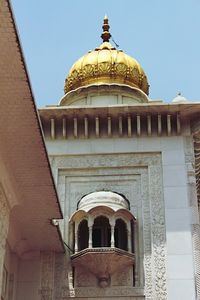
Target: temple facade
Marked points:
99	194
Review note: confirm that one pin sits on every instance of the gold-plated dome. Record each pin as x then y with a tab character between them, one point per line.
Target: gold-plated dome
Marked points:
106	65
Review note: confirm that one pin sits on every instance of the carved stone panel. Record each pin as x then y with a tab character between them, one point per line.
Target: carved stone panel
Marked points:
139	178
47	275
193	202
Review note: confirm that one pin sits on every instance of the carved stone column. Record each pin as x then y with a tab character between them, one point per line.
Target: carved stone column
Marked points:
112	242
76	237
112	226
129	237
90	226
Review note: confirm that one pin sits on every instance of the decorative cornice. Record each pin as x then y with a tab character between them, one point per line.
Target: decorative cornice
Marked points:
152	119
102	250
122	125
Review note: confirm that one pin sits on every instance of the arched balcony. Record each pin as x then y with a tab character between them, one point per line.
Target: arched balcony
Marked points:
103	235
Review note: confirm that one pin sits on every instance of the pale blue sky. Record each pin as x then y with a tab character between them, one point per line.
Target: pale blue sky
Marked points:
163	35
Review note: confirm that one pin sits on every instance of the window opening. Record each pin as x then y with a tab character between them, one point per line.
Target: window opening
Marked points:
121	240
101	234
83	235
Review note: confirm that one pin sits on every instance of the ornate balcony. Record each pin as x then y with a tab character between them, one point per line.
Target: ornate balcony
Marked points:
103	262
103	229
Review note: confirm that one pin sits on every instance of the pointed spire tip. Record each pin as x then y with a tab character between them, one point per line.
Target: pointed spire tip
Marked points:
106	34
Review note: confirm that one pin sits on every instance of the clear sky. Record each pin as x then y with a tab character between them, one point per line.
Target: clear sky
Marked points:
163	35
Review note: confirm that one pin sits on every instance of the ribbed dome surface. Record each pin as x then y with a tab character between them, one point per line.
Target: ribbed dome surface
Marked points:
106	64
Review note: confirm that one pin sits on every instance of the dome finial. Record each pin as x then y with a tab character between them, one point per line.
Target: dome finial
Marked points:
106	34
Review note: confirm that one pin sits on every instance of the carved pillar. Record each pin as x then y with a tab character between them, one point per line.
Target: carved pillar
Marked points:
129	236
112	225
112	242
158	284
71	287
90	237
71	235
76	237
90	226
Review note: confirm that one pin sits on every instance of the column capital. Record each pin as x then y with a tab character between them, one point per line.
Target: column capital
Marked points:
90	221
112	221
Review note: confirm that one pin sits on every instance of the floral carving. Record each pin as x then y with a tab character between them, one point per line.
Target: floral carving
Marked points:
88	71
93	72
121	69
104	68
192	163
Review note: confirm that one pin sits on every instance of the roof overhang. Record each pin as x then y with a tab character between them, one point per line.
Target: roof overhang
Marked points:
22	150
185	110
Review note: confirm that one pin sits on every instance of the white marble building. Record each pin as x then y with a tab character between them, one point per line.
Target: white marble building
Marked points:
107	136
126	169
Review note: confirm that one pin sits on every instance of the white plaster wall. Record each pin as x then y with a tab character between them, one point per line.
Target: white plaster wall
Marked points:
178	223
103	100
180	266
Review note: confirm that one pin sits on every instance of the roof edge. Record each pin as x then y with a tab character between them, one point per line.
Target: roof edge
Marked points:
33	101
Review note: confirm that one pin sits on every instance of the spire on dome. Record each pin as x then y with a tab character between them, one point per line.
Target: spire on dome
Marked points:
106	34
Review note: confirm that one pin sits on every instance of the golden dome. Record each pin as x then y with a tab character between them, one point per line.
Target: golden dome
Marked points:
106	65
